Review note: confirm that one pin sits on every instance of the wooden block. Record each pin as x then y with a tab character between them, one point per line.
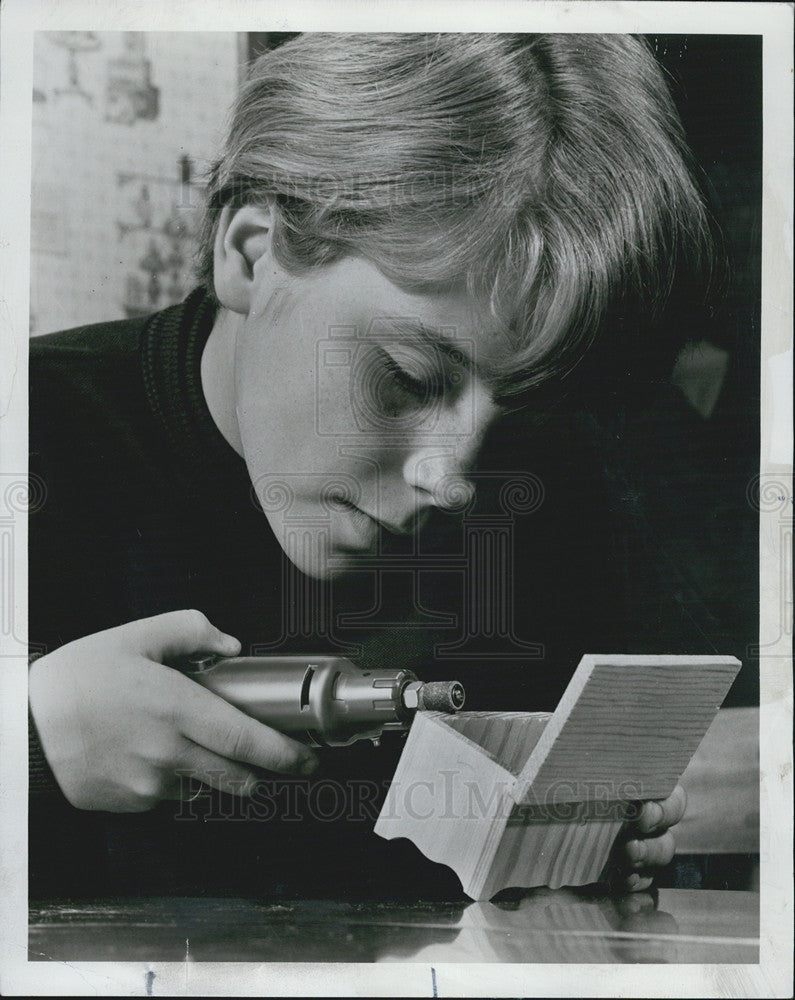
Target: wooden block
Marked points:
507	737
539	849
526	799
449	803
633	721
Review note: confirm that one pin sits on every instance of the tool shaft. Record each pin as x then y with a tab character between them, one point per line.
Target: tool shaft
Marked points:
322	700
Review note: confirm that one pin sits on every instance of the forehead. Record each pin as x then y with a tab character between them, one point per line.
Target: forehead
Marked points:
354	293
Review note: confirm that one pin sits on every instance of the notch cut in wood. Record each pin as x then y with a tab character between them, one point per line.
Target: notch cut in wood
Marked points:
527	799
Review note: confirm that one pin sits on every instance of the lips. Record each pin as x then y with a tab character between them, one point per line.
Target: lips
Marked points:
366	522
362	518
410	525
406	527
355	530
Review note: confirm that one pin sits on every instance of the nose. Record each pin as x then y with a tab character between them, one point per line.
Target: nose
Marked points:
444	452
439	480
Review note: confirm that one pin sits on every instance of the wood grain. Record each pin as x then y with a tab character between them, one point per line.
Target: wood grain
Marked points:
528	799
507	737
627	726
449	797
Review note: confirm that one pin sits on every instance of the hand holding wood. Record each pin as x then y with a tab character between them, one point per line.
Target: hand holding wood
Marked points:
525	799
647	843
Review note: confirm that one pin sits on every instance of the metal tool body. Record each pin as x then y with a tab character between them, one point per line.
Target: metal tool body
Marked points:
323	700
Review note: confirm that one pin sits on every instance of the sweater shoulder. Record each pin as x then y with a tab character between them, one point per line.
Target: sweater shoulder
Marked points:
96	343
87	393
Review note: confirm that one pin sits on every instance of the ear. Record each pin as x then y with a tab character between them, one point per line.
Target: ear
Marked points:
243	238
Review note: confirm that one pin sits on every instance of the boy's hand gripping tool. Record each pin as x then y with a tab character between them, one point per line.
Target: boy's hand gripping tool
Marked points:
323	700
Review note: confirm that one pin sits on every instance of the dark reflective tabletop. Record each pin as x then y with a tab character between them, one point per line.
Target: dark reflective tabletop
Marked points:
674	926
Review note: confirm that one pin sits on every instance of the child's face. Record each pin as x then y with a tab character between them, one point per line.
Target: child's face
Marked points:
352	420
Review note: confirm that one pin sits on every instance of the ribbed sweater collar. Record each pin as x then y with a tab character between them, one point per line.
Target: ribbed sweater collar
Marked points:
171	351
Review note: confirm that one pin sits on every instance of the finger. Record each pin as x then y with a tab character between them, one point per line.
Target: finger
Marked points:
641	904
651	852
636	882
660	815
180	633
188	790
216	725
620	881
203	767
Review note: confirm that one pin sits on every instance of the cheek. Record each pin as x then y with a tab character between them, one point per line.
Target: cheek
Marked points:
298	418
275	400
277	432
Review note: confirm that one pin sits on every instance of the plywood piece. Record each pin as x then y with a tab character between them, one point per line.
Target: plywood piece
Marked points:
540	850
508	737
447	796
626	727
527	799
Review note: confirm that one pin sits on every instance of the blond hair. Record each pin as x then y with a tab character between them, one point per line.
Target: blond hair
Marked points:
546	172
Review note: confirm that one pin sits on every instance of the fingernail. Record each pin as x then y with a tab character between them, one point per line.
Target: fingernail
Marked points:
250	786
656	811
633	881
308	765
634	810
230	644
638	851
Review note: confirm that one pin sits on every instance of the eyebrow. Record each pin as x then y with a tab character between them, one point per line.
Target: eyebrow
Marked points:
506	399
436	337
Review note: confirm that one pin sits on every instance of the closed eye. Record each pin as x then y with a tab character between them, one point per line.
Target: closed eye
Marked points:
422	389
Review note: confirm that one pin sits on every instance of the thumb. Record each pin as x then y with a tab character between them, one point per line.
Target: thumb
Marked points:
181	633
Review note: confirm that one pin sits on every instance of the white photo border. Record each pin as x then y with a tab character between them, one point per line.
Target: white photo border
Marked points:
19	19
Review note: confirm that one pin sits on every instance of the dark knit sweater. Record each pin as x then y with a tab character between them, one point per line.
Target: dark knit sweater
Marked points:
147	509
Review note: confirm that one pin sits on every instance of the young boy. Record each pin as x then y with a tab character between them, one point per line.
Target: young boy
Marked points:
406	238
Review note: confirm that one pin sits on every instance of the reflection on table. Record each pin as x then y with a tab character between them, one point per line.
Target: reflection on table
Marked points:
541	925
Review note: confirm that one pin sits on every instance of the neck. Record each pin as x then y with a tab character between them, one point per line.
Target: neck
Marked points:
218	376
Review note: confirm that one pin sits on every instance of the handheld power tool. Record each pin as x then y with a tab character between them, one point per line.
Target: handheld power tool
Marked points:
323	700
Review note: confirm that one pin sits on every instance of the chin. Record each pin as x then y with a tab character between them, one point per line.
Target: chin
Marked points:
314	555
